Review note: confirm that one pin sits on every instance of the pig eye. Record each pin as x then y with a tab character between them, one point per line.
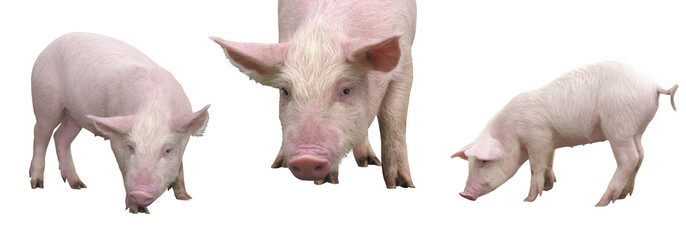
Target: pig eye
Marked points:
168	150
483	163
346	91
131	150
285	91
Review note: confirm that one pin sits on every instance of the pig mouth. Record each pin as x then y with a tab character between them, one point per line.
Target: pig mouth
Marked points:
470	193
309	163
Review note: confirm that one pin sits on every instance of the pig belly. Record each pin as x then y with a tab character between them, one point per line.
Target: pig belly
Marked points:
579	136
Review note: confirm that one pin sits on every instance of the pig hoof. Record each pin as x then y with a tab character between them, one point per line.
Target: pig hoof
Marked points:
77	185
135	209
368	160
628	190
332	178
139	209
182	196
36	183
279	163
602	203
548	185
401	179
532	195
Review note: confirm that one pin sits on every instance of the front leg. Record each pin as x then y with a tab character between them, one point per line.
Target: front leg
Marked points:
332	177
134	208
549	176
392	124
540	157
364	154
179	186
280	161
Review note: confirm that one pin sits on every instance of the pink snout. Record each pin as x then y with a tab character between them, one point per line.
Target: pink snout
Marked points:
141	198
309	168
470	193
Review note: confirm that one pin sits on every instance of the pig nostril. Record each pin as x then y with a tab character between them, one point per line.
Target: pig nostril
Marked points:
317	168
296	168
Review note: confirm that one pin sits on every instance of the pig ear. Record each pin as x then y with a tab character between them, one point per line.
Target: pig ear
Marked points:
461	152
193	123
113	125
486	149
380	54
261	62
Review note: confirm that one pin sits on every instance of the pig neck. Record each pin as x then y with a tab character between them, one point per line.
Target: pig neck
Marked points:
517	123
162	93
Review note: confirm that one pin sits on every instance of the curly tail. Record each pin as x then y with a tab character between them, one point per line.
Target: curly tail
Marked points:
670	92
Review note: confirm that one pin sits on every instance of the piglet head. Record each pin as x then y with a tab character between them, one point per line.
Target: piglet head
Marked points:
326	98
489	167
149	148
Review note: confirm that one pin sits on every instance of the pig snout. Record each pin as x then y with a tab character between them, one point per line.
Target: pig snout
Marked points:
141	198
309	167
470	193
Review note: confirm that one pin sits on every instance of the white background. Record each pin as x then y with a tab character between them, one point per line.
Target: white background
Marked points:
470	60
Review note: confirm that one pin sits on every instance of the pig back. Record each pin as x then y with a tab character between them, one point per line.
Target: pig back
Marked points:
356	18
101	76
588	103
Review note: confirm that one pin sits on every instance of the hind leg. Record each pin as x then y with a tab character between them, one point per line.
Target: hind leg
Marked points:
47	118
629	188
64	136
627	157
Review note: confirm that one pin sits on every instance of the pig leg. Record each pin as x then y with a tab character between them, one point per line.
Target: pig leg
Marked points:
280	160
392	124
629	189
541	157
627	157
64	136
179	186
48	115
134	208
364	154
549	176
332	177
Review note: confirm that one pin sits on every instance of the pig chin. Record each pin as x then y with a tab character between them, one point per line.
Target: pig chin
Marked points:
310	162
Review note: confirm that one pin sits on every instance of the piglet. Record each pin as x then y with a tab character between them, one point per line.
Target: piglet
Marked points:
84	80
604	101
338	65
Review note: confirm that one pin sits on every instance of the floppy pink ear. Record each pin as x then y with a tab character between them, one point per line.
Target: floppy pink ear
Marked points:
113	125
261	62
486	149
193	123
461	152
380	54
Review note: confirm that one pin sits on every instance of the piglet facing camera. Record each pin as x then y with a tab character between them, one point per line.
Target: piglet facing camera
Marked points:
84	80
604	101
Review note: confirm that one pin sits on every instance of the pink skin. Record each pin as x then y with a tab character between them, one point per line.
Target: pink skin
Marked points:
338	65
90	81
534	124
